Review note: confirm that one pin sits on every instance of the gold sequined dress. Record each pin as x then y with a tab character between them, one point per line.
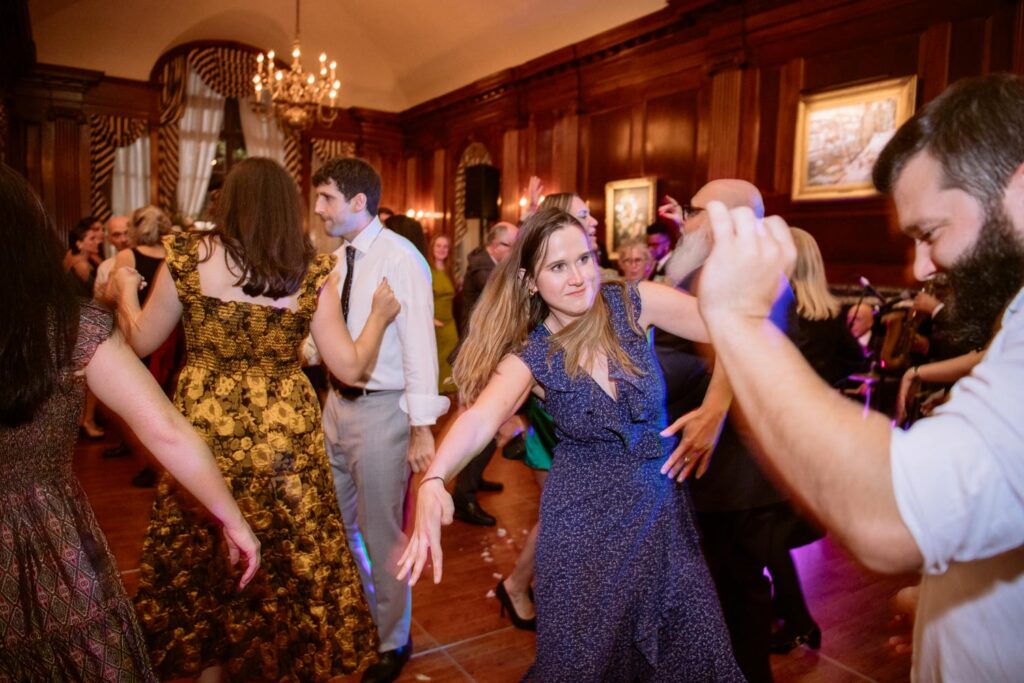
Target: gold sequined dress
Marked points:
304	616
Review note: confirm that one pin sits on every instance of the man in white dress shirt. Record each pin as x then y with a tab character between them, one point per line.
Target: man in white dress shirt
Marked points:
379	431
946	497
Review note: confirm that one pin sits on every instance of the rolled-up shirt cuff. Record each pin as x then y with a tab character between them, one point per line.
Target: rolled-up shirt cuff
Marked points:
423	409
310	353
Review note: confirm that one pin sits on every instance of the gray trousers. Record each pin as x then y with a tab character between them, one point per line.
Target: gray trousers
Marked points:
367	443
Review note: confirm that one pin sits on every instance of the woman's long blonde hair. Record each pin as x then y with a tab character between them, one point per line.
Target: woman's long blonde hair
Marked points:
813	300
506	313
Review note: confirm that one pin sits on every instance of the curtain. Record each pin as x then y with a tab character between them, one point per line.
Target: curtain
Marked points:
199	132
129	187
263	136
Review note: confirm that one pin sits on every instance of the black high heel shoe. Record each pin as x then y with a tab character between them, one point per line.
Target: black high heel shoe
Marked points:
784	640
506	605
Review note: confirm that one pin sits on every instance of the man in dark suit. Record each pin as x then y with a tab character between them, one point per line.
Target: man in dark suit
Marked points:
735	503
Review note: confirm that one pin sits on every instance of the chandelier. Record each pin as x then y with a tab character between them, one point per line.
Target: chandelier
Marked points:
296	97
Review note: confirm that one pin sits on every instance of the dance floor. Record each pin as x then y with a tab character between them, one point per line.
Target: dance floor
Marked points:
457	632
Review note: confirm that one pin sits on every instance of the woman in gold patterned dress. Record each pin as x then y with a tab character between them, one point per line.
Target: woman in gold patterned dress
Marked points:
248	293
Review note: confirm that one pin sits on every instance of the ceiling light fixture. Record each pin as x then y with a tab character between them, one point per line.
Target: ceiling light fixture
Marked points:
296	97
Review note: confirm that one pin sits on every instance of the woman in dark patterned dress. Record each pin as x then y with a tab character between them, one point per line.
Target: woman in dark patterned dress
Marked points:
622	591
64	614
248	293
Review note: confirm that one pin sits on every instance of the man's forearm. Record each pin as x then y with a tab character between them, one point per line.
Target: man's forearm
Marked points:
832	457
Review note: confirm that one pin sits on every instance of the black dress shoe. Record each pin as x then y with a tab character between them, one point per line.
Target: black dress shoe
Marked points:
786	639
470	512
507	606
389	666
515	449
118	451
145	479
490	486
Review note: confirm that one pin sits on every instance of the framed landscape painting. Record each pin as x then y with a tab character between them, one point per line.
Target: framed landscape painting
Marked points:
629	208
840	133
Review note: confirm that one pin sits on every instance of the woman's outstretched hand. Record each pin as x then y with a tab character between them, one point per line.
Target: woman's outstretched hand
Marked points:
434	507
384	302
701	429
242	541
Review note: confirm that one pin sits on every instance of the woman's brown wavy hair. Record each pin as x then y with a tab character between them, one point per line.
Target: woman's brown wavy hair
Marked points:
506	313
259	222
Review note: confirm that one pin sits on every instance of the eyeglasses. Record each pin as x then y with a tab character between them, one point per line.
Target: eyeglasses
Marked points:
690	211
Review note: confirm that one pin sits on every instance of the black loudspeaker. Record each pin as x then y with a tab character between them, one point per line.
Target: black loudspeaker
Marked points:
482	186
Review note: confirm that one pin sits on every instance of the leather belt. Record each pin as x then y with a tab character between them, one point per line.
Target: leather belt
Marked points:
349	392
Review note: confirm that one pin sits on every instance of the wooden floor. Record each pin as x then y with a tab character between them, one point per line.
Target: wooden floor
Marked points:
457	632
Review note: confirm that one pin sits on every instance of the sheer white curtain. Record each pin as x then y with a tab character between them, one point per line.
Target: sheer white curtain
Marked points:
200	128
129	188
263	136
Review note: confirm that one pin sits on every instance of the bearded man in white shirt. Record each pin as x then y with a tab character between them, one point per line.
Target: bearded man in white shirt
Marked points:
945	498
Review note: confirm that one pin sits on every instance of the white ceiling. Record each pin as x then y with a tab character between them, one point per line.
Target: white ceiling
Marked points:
391	54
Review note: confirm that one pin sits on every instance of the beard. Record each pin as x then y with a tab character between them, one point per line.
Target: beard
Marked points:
690	253
983	281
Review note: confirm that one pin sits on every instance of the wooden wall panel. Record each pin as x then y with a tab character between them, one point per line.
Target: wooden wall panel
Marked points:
967	56
609	141
694	91
670	143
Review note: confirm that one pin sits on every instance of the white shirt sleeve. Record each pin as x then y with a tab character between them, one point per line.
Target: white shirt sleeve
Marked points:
415	324
959	476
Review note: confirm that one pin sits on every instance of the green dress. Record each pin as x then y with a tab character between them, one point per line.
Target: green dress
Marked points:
304	616
448	333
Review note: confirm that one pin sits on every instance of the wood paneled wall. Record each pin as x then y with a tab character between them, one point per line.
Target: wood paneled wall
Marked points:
700	90
705	90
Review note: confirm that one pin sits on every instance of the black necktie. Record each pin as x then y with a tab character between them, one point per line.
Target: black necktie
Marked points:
346	287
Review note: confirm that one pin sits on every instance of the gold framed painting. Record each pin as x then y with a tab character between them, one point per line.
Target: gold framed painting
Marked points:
629	208
840	133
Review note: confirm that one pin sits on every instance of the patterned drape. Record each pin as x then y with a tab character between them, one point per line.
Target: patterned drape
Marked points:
107	133
172	106
326	150
228	71
293	155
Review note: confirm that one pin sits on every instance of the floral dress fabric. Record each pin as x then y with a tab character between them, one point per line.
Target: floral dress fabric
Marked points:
64	614
304	616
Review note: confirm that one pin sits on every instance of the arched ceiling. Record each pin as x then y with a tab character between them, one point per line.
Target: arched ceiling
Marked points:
391	54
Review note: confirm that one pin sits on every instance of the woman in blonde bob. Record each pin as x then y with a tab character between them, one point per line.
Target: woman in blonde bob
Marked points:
622	591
